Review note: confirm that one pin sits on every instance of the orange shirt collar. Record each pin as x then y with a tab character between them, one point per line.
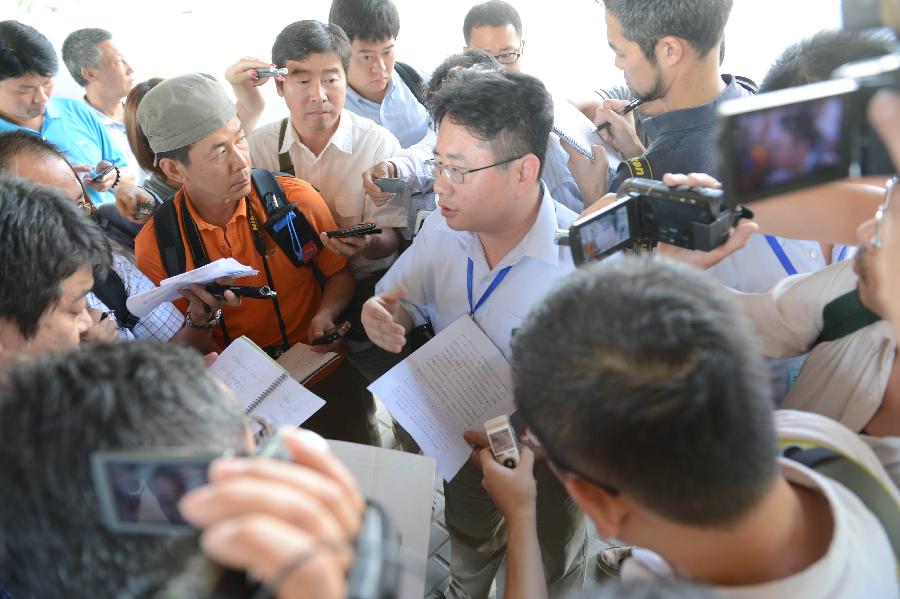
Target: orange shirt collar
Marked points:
240	212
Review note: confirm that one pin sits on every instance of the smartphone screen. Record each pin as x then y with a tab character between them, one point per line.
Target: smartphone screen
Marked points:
141	493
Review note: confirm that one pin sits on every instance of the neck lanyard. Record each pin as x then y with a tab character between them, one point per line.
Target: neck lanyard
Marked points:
198	253
487	293
786	262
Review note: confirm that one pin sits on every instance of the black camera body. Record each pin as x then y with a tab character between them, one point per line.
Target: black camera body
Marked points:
803	136
648	212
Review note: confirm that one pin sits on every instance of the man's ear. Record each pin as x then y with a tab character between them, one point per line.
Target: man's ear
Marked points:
279	87
529	169
88	74
173	170
11	339
608	512
670	50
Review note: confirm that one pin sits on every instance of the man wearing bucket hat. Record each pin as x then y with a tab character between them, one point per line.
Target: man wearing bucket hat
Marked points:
193	129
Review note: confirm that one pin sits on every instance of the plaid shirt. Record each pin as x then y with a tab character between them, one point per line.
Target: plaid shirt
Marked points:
161	324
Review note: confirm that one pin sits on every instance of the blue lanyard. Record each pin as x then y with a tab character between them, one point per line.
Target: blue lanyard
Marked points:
782	257
487	293
786	262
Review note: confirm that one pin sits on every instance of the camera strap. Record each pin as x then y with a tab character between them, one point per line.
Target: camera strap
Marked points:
487	292
201	258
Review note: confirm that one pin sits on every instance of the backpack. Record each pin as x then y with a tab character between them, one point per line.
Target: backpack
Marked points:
112	292
870	490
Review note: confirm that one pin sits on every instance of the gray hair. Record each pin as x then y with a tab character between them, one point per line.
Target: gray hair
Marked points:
80	51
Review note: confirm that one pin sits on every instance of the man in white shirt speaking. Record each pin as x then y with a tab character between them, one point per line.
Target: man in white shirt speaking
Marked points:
488	254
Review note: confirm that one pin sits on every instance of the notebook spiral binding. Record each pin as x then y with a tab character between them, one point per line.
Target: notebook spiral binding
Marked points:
578	147
269	390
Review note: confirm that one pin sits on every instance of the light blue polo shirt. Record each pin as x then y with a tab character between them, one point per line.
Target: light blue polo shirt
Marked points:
73	128
400	112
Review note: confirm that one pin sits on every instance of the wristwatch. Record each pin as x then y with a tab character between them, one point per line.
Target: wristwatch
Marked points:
213	321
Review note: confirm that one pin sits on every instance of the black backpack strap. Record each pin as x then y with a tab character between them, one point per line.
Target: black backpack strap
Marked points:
284	158
168	238
413	81
112	292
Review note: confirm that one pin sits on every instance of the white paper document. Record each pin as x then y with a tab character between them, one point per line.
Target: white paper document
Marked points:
579	132
143	304
264	388
403	484
450	385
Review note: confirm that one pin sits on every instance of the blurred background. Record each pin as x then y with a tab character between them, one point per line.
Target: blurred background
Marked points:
565	40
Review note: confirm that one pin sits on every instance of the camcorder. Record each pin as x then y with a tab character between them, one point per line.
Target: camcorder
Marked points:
648	212
139	491
803	136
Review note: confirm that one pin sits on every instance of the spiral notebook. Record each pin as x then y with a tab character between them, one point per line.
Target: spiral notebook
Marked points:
579	132
263	387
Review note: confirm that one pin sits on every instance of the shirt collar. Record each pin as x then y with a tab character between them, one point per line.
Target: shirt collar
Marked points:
538	243
52	111
692	118
241	212
342	139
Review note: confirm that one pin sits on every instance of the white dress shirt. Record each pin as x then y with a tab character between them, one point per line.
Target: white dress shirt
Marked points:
400	112
357	145
433	271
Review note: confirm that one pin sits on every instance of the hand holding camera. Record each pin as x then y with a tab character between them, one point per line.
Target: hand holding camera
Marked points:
383	170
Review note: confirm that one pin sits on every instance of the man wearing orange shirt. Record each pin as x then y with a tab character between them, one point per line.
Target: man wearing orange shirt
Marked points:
194	131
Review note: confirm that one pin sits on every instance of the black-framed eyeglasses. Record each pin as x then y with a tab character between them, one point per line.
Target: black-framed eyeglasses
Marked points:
541	449
875	242
457	174
509	57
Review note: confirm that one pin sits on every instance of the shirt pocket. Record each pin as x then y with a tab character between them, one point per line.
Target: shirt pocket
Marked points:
349	207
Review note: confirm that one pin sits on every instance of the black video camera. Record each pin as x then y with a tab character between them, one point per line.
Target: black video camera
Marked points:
803	136
648	212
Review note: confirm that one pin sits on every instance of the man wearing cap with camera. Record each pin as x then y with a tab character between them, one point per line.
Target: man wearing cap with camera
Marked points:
194	131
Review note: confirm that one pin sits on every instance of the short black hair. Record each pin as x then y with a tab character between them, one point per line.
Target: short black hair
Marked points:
510	113
464	60
302	38
21	142
44	240
79	51
57	411
24	50
644	375
701	23
816	58
493	13
366	20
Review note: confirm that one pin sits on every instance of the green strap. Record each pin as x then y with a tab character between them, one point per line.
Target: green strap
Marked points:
868	488
844	316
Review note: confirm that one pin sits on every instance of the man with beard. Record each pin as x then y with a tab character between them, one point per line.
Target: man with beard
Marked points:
669	51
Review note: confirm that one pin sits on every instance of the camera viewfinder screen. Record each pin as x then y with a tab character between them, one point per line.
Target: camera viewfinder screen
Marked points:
148	492
599	236
788	144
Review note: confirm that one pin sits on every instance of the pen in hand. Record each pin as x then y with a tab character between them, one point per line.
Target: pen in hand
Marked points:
628	108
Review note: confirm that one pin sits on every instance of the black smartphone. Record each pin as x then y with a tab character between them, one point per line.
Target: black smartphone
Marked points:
98	175
355	231
333	334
